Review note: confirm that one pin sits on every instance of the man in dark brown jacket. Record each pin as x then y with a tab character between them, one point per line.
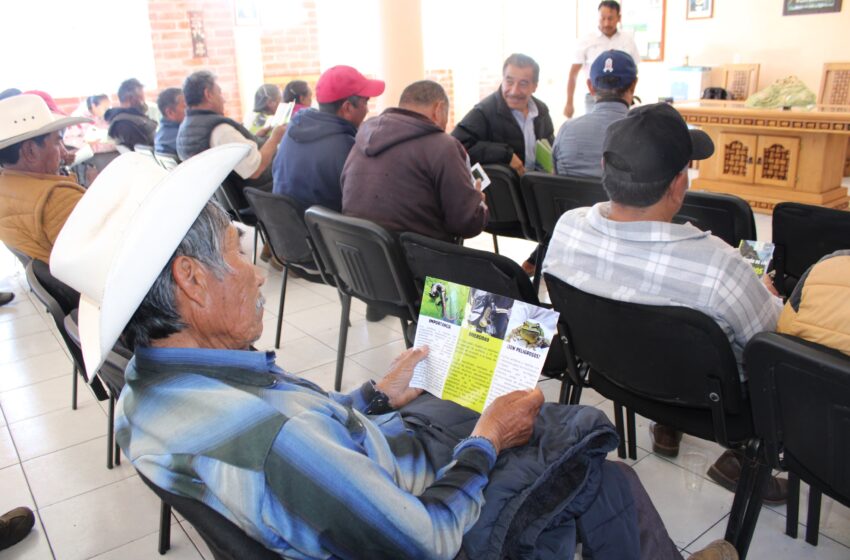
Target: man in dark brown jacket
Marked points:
406	174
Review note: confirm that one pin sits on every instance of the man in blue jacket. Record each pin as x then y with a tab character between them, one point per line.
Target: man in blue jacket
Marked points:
309	162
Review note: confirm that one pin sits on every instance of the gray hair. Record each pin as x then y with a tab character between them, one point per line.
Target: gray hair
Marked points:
423	94
157	316
195	85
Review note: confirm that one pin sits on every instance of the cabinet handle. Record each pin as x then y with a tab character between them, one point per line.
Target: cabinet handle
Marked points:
750	160
758	162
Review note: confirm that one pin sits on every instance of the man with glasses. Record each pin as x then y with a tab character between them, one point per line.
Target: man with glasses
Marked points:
309	163
504	126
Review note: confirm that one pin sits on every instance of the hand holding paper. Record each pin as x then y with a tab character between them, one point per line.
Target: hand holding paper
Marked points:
509	420
396	383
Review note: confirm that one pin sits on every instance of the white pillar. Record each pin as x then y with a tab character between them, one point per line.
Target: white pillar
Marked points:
249	65
402	58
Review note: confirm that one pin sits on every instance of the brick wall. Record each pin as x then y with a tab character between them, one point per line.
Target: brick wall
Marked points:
445	78
172	46
292	51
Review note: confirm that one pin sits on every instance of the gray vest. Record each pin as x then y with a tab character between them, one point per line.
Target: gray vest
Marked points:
196	129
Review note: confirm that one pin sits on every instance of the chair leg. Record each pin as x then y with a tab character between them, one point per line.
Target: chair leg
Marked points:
343	339
538	269
404	326
164	528
110	432
280	306
495	243
792	510
813	518
630	429
746	505
74	388
618	423
256	234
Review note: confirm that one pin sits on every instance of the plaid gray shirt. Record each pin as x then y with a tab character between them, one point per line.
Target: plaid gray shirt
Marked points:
659	263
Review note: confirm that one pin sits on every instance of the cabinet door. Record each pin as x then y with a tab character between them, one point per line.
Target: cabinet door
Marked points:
777	160
737	156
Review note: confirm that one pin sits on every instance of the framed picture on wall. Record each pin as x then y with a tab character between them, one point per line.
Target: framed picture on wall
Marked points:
700	9
800	7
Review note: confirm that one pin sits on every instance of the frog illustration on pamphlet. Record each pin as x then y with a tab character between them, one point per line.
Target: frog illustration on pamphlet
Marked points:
531	334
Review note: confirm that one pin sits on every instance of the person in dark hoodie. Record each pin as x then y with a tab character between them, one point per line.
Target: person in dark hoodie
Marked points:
129	124
309	162
406	174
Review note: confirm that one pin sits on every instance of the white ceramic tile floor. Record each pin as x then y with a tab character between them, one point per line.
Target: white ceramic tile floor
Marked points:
53	458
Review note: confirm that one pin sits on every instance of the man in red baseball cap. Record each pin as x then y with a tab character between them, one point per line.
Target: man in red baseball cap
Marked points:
309	162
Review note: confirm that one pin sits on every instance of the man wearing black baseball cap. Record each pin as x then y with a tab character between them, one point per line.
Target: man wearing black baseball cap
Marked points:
577	150
628	249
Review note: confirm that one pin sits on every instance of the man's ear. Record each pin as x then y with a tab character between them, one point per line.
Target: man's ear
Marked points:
191	278
590	87
678	188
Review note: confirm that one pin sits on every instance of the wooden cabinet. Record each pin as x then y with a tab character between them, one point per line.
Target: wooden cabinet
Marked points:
767	156
759	159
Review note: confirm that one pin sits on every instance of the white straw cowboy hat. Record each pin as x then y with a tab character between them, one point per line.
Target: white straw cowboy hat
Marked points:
26	116
122	233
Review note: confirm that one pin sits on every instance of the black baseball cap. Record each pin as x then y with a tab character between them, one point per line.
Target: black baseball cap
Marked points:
651	146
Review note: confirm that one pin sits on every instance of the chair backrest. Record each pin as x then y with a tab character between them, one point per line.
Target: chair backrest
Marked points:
740	80
232	196
363	258
834	84
727	216
800	394
802	235
59	300
479	269
507	209
281	218
167	161
664	354
21	256
111	372
226	540
144	150
547	197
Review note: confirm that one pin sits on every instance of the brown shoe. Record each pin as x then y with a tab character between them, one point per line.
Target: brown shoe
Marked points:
726	471
529	268
276	264
15	525
718	550
665	440
266	254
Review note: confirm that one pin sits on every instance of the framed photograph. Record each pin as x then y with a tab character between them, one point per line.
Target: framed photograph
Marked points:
700	9
801	7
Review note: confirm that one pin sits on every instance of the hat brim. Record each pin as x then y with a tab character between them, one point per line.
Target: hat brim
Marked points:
372	88
123	232
58	124
703	146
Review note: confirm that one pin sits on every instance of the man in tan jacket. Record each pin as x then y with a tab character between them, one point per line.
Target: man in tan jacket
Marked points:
34	200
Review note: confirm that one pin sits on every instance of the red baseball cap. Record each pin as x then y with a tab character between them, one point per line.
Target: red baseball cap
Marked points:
51	104
340	82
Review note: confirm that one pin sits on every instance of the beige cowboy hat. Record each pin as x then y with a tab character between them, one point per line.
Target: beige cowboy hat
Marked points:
123	232
26	116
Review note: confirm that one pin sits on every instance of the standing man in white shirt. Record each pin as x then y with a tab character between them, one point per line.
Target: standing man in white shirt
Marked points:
607	38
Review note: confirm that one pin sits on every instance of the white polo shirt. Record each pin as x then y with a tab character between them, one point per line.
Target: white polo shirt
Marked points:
590	47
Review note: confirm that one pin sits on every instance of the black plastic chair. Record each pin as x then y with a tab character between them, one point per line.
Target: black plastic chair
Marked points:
508	216
800	395
111	374
495	274
802	235
727	216
21	256
675	366
547	197
232	197
60	300
280	218
225	540
145	150
364	261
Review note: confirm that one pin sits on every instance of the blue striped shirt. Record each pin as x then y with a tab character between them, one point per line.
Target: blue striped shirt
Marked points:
307	473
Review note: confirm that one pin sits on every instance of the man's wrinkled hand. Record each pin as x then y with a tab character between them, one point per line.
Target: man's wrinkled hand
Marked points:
396	383
509	420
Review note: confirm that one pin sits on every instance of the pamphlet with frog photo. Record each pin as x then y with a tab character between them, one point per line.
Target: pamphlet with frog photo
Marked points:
758	254
482	345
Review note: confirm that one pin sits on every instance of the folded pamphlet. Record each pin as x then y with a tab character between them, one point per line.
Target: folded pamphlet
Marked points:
758	254
543	156
482	345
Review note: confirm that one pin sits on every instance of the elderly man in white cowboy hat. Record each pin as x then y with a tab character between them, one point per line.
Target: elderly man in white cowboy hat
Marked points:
381	472
34	200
